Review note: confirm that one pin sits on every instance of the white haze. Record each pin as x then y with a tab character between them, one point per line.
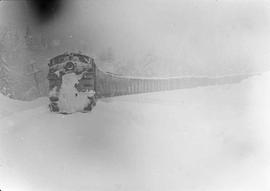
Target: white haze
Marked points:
208	138
209	37
183	37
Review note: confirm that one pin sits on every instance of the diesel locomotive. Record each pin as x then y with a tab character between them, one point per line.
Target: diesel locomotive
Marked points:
94	83
80	65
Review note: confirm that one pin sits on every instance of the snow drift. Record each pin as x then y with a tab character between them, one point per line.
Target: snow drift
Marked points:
70	99
208	138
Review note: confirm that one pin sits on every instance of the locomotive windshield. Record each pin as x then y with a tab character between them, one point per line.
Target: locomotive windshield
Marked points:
58	59
83	58
70	57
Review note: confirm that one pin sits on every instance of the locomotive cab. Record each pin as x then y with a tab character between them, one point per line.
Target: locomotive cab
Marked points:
81	66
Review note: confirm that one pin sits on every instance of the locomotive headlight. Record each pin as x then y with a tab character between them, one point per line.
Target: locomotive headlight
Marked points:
70	66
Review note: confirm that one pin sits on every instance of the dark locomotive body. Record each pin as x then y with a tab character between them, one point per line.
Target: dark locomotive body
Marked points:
72	63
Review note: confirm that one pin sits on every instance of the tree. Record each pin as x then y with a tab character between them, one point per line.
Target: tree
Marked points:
34	72
5	81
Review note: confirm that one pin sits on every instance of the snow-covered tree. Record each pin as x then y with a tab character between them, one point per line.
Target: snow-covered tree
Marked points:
5	80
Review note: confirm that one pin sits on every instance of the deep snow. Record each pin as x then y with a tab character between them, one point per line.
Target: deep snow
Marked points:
70	99
209	138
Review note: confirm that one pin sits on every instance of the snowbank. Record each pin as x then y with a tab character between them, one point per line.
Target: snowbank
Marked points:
209	138
70	99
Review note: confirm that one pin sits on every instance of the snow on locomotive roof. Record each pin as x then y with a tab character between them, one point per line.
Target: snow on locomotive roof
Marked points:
121	76
62	58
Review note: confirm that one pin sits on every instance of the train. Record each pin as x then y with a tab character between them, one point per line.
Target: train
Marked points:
99	84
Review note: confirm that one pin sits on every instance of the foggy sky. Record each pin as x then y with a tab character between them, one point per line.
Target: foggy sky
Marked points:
202	37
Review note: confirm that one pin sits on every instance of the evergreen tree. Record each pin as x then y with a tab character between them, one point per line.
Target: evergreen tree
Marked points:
5	81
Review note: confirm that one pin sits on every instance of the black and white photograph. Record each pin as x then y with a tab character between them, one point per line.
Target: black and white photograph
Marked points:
134	95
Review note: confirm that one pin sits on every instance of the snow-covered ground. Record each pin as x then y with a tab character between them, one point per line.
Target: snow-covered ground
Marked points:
209	138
